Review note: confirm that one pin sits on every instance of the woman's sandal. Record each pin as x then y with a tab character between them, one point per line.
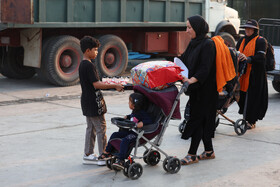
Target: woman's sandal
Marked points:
105	156
189	160
205	156
251	126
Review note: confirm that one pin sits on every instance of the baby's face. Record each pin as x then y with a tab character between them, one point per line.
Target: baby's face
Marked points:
130	104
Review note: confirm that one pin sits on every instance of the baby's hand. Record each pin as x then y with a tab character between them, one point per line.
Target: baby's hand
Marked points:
125	117
139	125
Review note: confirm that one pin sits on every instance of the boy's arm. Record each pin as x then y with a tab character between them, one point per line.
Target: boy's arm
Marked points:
104	86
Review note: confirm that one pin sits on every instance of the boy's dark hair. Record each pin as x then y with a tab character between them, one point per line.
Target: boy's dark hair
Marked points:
89	42
138	100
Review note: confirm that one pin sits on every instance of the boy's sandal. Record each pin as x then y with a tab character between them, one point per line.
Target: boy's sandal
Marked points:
105	156
189	160
205	156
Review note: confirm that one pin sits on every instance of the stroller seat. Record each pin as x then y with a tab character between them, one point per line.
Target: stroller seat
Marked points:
150	131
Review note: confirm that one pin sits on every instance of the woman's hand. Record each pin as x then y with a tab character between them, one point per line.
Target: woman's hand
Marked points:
242	57
190	81
185	79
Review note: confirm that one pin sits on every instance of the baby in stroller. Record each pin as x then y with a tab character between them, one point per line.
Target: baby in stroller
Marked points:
137	103
162	105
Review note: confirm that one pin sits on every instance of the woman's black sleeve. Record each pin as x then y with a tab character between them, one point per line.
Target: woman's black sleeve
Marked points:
207	60
260	50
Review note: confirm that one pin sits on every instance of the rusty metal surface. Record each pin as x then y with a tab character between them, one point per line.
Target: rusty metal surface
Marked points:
16	11
149	42
10	37
178	42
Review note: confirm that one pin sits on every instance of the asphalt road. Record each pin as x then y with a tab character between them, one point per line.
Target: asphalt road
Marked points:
42	138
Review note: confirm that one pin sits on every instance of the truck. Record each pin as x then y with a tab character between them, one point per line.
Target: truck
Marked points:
42	36
270	29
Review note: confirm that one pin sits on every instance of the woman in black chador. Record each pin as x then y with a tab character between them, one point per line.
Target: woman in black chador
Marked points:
253	83
199	58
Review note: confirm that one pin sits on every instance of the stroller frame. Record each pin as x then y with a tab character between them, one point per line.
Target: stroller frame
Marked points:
151	156
240	125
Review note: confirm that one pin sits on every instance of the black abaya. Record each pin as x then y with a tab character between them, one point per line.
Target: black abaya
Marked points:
257	93
200	60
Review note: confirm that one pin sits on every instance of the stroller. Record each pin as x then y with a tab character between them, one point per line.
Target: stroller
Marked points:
163	105
226	98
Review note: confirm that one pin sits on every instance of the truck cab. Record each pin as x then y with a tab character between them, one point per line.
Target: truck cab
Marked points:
222	20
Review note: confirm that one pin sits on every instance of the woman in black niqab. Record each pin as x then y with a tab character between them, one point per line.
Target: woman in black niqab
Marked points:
199	58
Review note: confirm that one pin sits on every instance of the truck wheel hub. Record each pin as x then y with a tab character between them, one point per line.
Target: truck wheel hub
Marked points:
109	58
66	61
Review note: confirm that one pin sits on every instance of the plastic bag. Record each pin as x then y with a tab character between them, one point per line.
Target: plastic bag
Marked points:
156	75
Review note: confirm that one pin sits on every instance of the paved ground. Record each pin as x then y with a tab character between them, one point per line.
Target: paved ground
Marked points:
42	137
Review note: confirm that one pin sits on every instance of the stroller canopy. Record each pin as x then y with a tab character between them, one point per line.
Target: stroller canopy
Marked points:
162	98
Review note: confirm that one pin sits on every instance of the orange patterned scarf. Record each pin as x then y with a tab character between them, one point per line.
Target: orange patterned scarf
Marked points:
249	50
225	70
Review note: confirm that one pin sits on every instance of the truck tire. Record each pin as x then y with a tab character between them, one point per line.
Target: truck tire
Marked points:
41	72
12	64
61	60
112	56
228	38
276	85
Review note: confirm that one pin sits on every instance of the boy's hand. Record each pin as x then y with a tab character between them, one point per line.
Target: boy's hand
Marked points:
119	87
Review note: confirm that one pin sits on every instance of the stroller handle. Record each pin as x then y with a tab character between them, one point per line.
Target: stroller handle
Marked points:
185	87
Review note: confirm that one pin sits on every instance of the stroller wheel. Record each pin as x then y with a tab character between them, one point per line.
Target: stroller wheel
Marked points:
109	163
153	158
240	126
145	157
174	165
182	126
135	171
165	162
171	165
127	164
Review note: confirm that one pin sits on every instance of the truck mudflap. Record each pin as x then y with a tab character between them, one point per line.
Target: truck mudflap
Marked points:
30	39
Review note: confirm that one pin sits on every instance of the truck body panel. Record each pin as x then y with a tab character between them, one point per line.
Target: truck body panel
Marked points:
46	33
105	13
16	11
